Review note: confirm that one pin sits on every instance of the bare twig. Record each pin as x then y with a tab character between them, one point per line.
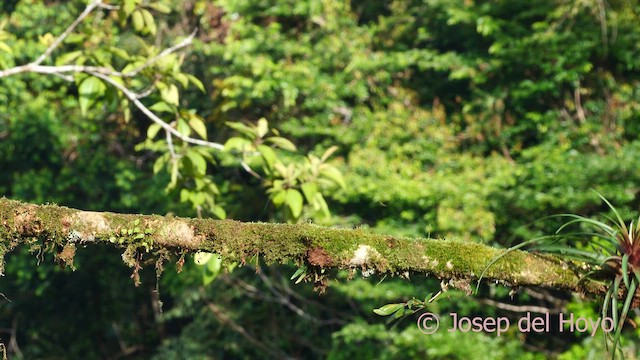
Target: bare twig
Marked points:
520	308
248	169
68	31
220	314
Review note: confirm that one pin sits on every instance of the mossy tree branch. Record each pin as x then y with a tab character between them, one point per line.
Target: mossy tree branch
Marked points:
59	229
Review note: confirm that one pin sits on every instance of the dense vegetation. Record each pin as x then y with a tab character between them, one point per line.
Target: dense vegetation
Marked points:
453	119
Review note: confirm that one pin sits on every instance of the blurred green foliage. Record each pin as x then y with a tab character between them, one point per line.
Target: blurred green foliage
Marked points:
459	119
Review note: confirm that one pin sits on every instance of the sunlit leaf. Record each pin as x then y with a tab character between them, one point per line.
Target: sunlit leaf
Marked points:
89	91
294	201
281	142
388	309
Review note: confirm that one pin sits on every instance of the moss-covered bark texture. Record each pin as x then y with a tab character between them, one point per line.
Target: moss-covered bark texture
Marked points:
59	229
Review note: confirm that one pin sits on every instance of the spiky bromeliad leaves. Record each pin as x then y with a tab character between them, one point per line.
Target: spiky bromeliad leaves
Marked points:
612	255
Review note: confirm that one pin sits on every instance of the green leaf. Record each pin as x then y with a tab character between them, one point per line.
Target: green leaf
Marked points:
121	53
183	127
197	124
161	8
262	128
294	201
159	163
198	162
309	190
129	6
328	153
4	47
278	197
388	309
194	80
268	155
152	131
201	258
237	143
89	91
184	195
162	106
333	174
324	208
68	57
138	20
219	212
149	21
170	94
301	271
182	79
251	133
281	142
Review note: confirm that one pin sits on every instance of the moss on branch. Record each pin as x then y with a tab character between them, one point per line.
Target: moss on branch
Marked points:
58	229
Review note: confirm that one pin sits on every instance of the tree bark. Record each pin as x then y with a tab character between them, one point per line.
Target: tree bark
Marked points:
58	230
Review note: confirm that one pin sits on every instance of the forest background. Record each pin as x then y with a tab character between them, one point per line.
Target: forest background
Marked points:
465	120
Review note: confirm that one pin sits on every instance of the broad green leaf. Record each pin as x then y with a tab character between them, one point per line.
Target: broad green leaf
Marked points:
219	212
198	162
238	143
162	106
333	174
89	91
183	127
184	195
6	48
201	258
149	21
262	128
161	8
324	208
279	197
182	79
310	190
196	82
214	264
197	124
68	57
388	309
251	133
138	20
170	94
328	153
281	142
129	6
198	198
121	53
268	155
152	131
159	163
294	201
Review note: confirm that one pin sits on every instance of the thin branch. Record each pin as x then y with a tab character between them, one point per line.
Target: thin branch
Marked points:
184	43
221	315
134	99
519	308
248	169
68	31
